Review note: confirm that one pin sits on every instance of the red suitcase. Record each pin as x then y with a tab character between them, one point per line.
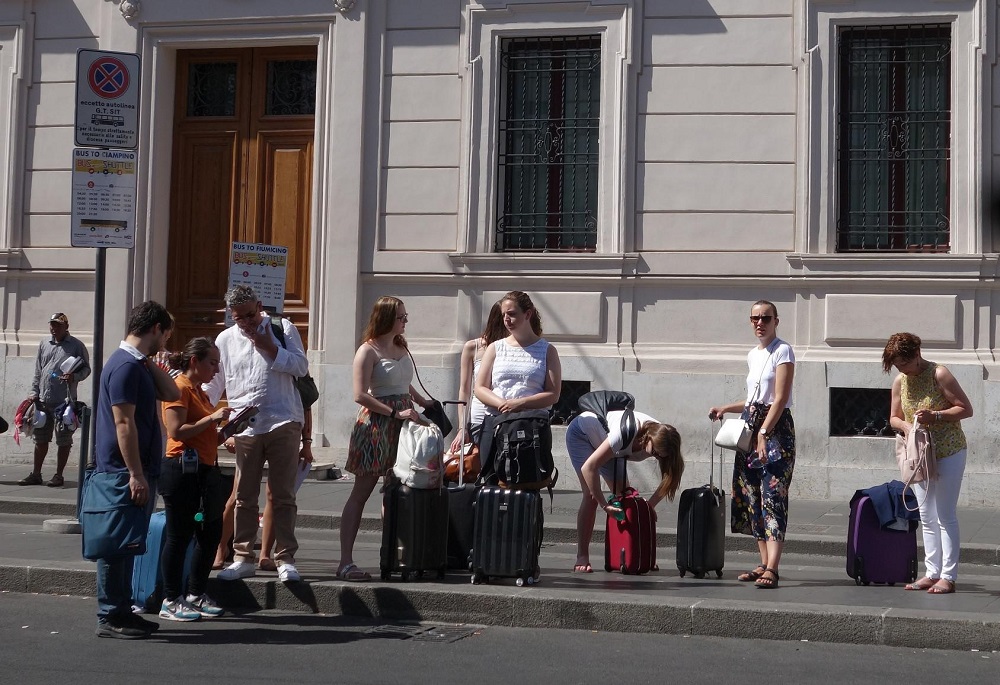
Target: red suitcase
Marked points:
630	544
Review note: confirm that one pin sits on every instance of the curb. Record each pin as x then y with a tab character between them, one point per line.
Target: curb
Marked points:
813	545
538	607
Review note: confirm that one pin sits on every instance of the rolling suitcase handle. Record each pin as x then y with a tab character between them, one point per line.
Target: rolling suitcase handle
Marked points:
461	443
711	458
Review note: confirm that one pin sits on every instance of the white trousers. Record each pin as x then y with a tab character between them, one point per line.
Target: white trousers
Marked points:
939	516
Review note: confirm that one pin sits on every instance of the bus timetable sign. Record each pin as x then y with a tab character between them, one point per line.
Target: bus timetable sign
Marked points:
107	99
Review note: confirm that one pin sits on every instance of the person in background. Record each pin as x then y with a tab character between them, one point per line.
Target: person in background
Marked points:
127	437
192	490
594	453
762	476
51	386
929	393
258	370
382	375
472	357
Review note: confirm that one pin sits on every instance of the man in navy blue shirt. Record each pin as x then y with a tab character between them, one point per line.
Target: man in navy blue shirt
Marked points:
128	438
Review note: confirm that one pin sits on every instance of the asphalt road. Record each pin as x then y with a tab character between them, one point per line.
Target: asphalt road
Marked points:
48	639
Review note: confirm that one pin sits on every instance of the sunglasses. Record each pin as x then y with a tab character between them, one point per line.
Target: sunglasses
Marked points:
757	319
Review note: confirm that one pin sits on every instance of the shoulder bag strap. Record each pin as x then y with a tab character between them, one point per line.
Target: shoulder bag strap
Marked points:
417	374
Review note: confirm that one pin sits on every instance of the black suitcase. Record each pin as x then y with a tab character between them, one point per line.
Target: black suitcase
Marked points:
414	531
701	526
461	515
507	536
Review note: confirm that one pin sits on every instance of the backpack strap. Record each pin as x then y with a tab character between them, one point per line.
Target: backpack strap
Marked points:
279	333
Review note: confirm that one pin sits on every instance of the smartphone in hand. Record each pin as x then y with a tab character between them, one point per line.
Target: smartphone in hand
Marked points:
239	421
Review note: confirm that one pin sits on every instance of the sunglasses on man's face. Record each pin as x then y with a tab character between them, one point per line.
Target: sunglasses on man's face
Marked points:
757	319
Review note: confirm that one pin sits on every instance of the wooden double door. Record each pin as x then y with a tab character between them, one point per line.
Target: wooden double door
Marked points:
242	172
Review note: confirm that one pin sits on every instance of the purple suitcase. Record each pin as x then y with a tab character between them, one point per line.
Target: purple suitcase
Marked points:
876	554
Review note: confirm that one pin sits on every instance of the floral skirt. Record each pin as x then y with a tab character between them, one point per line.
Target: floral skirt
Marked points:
760	495
375	438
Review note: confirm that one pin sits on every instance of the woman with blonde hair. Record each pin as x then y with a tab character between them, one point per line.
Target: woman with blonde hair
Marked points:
928	393
382	374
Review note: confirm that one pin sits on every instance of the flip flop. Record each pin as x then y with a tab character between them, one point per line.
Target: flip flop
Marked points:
942	587
583	568
352	574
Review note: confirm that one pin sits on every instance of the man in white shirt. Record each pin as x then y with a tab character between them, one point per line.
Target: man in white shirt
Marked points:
257	370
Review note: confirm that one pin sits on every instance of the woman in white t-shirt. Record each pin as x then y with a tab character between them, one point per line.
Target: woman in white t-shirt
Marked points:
594	453
762	476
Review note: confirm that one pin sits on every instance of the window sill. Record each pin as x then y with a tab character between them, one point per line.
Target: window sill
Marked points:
541	264
894	264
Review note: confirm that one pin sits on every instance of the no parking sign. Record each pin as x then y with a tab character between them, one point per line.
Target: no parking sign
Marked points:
107	99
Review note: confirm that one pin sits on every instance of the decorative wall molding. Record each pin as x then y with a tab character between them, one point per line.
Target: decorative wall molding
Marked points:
129	8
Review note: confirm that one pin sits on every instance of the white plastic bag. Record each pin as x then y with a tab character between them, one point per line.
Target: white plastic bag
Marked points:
419	456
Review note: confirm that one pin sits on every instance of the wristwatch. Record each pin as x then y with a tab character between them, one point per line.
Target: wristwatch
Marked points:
763	431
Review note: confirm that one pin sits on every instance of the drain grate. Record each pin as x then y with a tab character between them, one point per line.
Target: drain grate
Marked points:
395	632
444	634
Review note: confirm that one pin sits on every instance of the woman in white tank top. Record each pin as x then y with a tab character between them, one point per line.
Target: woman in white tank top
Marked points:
521	371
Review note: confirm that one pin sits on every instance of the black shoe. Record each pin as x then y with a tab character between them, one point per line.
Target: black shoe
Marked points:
137	621
119	629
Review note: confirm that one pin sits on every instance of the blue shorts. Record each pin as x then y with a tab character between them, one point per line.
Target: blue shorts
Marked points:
580	449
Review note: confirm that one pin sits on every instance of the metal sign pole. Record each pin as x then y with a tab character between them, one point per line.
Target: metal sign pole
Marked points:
88	448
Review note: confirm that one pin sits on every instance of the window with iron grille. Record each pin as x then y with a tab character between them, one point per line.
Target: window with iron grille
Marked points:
566	409
548	144
860	411
894	146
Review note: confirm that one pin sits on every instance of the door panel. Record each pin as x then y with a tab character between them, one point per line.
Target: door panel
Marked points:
242	171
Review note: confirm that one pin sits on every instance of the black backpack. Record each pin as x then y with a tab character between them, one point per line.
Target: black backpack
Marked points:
518	450
600	402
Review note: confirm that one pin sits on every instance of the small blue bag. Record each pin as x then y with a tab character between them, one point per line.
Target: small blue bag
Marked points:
112	525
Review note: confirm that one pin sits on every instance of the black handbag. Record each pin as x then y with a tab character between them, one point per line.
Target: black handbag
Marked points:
306	385
434	413
112	525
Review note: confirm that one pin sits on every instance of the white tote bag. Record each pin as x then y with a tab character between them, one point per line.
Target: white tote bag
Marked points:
734	435
418	458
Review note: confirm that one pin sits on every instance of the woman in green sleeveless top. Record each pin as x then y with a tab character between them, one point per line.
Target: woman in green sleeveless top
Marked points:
929	393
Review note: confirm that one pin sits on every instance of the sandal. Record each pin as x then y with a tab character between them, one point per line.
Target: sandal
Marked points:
753	575
583	568
765	583
942	587
267	565
352	574
924	583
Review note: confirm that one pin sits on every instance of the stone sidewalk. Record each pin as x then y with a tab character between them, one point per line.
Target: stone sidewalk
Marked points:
816	599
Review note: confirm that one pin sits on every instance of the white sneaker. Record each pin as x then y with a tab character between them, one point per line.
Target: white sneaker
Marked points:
205	606
237	570
287	572
178	610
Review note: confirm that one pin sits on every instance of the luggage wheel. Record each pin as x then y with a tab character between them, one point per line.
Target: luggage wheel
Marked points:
699	576
718	574
476	579
607	567
419	574
440	574
386	575
404	576
519	582
680	570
